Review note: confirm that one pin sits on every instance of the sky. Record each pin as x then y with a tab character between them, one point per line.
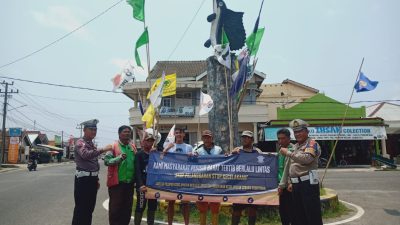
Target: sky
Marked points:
317	43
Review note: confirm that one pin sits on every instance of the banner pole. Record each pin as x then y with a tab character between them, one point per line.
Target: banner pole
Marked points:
341	125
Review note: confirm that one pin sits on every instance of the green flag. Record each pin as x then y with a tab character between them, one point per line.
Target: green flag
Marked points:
253	41
225	39
138	9
143	39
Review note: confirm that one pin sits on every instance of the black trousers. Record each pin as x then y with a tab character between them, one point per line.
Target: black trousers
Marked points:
241	207
85	193
285	207
120	204
306	204
141	202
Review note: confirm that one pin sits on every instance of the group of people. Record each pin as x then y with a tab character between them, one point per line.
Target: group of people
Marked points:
127	169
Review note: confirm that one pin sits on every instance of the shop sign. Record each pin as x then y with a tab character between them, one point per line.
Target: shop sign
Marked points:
13	150
15	132
332	132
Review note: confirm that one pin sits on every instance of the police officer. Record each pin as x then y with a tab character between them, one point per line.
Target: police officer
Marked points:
86	175
303	176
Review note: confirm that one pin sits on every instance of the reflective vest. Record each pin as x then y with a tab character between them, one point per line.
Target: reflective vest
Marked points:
112	175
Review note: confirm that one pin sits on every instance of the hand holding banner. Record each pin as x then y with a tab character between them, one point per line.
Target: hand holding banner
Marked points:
234	177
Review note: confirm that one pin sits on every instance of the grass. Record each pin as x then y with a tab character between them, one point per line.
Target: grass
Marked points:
322	191
266	215
337	211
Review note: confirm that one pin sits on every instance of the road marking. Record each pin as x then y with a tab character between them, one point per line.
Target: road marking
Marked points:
359	214
105	205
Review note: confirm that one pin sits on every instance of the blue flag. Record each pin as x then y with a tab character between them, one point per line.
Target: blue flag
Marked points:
364	84
241	77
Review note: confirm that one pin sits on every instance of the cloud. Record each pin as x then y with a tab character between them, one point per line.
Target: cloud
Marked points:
63	18
140	74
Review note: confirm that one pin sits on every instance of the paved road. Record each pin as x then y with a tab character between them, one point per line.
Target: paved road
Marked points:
377	192
45	197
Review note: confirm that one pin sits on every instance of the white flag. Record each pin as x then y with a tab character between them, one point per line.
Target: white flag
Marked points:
223	55
126	75
206	103
156	96
171	135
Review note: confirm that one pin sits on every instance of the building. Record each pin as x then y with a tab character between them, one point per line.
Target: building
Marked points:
182	109
24	142
284	95
359	139
391	114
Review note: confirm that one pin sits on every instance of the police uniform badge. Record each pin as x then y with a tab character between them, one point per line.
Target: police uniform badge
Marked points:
312	148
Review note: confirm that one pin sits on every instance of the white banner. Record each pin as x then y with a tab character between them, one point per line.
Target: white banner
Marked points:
331	133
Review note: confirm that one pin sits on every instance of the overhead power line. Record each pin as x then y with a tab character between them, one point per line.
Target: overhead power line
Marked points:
62	37
60	85
186	30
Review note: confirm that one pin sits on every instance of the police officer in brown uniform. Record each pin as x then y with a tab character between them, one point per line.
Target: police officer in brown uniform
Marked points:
86	175
303	176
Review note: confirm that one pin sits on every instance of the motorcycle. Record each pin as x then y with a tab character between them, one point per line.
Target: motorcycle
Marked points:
32	164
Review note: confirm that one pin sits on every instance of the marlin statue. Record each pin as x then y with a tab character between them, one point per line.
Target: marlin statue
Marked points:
228	21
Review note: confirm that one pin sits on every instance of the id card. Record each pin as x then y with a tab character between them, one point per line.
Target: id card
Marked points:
314	178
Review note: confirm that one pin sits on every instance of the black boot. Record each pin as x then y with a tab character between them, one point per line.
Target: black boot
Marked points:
235	220
150	217
138	218
252	220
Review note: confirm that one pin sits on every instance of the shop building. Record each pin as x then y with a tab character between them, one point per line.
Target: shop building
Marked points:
391	114
358	140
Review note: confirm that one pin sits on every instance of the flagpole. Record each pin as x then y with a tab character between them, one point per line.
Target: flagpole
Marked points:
342	124
198	129
148	74
255	31
229	111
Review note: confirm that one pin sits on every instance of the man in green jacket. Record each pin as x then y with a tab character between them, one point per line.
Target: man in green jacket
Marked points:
284	187
121	177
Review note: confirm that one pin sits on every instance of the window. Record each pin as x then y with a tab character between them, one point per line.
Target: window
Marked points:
167	102
187	95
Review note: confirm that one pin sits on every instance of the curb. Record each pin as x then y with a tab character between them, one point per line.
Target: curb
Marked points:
12	167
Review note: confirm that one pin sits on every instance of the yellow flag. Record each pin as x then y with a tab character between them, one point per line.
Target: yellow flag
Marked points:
148	116
169	85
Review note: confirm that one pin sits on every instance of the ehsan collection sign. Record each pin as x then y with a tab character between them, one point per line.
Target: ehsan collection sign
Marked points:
332	132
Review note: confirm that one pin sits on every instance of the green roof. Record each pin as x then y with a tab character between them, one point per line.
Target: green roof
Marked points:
320	106
332	122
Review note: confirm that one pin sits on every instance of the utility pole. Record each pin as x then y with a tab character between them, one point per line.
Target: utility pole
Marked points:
62	139
3	130
79	126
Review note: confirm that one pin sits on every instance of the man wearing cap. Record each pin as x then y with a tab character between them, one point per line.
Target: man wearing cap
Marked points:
284	188
208	148
86	175
182	148
247	147
303	176
150	137
121	177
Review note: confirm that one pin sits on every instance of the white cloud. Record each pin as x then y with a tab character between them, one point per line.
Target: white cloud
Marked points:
63	18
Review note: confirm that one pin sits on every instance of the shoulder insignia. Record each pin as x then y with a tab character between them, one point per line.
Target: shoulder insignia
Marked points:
311	150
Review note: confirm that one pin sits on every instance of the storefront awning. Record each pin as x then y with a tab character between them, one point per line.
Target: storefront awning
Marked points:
51	147
332	132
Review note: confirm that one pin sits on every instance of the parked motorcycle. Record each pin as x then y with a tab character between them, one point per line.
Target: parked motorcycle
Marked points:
32	164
